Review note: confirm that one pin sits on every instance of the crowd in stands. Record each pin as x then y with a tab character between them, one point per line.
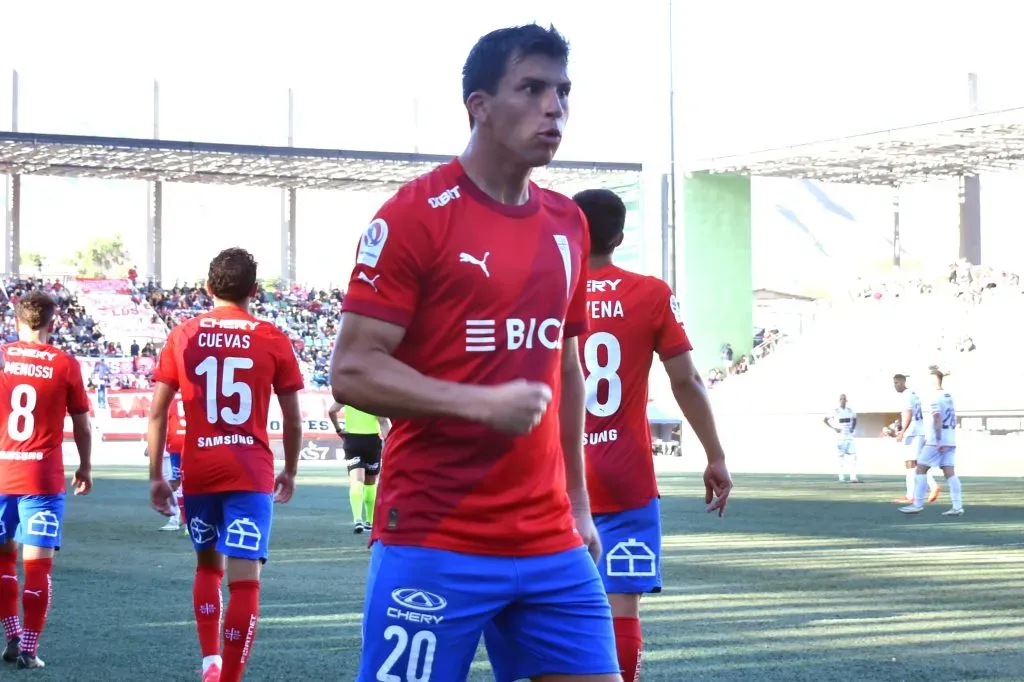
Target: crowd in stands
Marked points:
971	284
765	341
74	331
309	317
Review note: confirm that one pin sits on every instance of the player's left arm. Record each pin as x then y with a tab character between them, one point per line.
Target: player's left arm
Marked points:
288	382
571	419
81	427
853	422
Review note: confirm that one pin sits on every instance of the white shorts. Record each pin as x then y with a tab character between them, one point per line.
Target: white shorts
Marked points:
912	447
845	447
931	456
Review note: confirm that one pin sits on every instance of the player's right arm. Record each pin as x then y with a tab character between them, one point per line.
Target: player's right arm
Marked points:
167	382
384	295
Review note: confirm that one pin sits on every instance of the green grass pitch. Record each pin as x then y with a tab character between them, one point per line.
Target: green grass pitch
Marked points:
805	579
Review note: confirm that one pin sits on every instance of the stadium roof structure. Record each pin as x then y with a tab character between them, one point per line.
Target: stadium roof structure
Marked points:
967	146
114	158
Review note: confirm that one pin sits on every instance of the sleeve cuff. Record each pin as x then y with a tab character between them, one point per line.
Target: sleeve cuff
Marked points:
378	311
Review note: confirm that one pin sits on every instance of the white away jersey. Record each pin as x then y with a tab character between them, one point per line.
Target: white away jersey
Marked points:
941	404
842	419
912	402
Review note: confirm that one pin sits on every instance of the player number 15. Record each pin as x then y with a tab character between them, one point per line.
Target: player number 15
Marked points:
229	387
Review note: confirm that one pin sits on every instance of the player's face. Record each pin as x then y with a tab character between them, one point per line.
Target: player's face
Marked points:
842	401
899	384
529	111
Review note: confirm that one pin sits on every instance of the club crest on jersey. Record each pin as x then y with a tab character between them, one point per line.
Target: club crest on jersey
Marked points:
372	243
677	309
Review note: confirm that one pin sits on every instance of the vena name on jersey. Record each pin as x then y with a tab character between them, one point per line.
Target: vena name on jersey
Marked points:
604	308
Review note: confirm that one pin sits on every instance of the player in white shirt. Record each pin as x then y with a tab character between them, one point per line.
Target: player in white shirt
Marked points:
939	449
843	421
911	434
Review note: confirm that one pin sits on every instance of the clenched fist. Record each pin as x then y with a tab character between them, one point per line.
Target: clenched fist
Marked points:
516	408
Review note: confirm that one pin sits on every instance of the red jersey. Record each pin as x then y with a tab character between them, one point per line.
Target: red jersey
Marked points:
176	426
632	318
486	292
226	362
39	385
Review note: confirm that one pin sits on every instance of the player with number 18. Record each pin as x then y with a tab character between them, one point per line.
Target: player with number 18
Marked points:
226	364
632	318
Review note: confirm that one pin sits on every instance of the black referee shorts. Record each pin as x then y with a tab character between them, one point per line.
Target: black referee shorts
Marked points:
362	451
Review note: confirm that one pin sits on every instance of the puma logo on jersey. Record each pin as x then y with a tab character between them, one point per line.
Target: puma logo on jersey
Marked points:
480	263
372	282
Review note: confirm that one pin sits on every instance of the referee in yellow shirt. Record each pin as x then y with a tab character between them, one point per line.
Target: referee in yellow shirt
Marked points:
364	436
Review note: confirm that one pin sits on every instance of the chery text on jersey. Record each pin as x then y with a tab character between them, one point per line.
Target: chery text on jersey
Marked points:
225	362
487	293
632	317
37	382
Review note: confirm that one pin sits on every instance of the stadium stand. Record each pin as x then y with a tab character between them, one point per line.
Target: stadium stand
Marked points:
957	318
309	317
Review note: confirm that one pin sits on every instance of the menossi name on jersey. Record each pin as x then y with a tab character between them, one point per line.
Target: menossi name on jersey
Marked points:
29	369
230	338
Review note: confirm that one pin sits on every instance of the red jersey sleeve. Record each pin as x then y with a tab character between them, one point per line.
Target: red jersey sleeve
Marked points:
670	337
577	319
287	374
393	257
78	399
166	371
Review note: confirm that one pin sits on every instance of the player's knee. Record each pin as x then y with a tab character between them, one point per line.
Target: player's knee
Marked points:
32	552
243	569
624	605
358	474
210	557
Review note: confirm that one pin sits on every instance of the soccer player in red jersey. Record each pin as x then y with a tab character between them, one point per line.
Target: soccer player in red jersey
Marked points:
633	317
38	386
467	283
226	363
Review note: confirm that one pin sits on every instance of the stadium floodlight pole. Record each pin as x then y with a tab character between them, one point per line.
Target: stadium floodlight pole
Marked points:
12	230
672	154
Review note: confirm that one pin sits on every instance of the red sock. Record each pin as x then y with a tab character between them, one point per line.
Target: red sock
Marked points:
206	601
36	601
240	628
9	594
629	642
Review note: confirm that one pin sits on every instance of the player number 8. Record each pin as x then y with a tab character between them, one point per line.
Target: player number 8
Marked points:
596	373
423	645
228	388
21	422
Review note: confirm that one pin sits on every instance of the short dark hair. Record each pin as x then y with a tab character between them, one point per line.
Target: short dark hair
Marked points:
36	310
232	275
606	214
488	60
899	377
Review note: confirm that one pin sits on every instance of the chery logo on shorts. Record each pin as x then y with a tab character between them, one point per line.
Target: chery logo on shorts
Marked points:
418	600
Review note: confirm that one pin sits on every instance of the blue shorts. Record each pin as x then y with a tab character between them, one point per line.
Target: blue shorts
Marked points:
35	520
235	524
631	563
426	609
175	459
